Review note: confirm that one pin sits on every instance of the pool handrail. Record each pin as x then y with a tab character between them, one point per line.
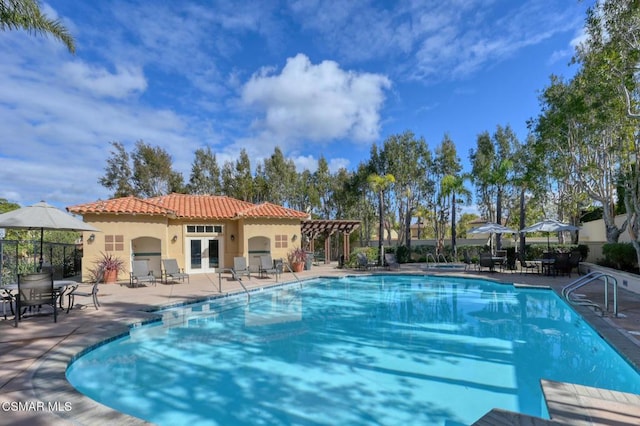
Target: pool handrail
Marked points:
235	277
429	255
586	279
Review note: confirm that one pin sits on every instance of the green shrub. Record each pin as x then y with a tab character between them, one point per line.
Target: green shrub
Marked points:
402	254
621	256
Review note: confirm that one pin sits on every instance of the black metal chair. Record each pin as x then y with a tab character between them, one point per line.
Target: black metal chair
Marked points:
34	291
79	291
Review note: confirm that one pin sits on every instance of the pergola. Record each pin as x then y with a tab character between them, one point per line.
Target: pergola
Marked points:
314	228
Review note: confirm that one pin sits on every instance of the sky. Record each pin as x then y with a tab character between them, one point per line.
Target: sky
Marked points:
315	78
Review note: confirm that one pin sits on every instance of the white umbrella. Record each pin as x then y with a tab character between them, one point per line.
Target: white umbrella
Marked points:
43	216
548	226
491	228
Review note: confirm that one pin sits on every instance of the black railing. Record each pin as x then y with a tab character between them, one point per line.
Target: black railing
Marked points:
22	257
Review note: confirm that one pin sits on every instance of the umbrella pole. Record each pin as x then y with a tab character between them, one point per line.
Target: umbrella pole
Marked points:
41	240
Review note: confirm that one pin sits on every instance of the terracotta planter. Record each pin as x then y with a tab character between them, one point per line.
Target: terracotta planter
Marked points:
110	276
298	266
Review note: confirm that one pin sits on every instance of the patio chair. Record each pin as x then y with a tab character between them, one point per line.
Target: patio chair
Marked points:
173	271
35	290
267	267
468	262
140	273
486	261
6	299
390	261
363	262
86	291
240	267
574	261
528	266
562	265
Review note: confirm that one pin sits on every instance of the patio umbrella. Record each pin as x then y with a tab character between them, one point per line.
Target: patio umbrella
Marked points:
43	216
491	228
548	226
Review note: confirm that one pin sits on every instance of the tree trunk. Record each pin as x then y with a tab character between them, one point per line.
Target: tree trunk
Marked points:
453	227
499	218
522	221
381	230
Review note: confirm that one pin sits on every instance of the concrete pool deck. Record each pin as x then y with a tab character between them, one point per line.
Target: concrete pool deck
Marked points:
34	357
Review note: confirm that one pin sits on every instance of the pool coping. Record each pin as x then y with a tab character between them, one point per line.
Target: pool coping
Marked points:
48	378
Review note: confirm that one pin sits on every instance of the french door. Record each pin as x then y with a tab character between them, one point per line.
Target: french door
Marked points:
204	254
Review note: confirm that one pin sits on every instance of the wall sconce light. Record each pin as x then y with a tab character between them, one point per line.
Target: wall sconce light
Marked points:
294	238
233	237
175	238
91	238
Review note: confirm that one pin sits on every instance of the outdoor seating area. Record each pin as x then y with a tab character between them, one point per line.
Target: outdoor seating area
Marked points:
268	267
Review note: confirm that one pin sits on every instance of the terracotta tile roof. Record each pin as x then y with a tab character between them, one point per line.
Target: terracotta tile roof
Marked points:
125	205
202	206
272	210
189	207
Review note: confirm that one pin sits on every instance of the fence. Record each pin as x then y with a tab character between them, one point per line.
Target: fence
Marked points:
21	257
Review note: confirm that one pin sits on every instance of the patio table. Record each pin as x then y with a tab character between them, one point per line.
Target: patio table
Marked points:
61	286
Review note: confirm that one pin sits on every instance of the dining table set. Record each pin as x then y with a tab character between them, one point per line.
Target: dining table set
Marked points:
63	288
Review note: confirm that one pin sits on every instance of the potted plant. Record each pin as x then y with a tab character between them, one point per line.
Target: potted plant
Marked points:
111	265
297	258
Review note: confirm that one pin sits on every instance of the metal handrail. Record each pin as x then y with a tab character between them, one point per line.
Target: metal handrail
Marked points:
429	255
235	277
444	258
586	279
291	270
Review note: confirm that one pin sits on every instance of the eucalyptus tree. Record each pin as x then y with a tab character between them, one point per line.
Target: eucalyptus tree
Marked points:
323	188
580	131
529	178
236	178
205	173
446	163
612	48
492	171
379	184
408	159
280	176
118	175
153	173
26	15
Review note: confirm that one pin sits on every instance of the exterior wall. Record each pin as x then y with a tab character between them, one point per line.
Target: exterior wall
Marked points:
595	231
130	228
268	228
156	237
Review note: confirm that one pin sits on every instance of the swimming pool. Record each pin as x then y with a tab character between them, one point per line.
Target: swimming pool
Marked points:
382	349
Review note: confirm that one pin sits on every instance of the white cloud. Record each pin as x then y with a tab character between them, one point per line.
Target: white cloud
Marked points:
316	102
124	82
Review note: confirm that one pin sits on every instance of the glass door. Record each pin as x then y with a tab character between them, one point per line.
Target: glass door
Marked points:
204	254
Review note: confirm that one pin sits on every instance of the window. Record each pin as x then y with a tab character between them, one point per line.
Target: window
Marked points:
282	241
204	229
113	243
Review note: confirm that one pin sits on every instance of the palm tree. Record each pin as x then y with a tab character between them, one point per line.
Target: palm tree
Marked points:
379	184
452	186
26	15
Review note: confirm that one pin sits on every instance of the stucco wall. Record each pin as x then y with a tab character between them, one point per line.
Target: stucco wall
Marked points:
154	238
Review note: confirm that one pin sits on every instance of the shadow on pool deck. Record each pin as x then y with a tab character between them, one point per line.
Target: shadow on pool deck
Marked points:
34	356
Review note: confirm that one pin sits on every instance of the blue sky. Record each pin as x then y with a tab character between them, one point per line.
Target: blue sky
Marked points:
313	77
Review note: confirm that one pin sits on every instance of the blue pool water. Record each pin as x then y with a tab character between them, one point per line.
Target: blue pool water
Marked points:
374	350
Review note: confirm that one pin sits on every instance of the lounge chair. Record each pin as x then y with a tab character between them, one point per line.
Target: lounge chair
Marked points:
267	267
390	261
240	267
35	290
140	273
86	291
363	262
173	271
